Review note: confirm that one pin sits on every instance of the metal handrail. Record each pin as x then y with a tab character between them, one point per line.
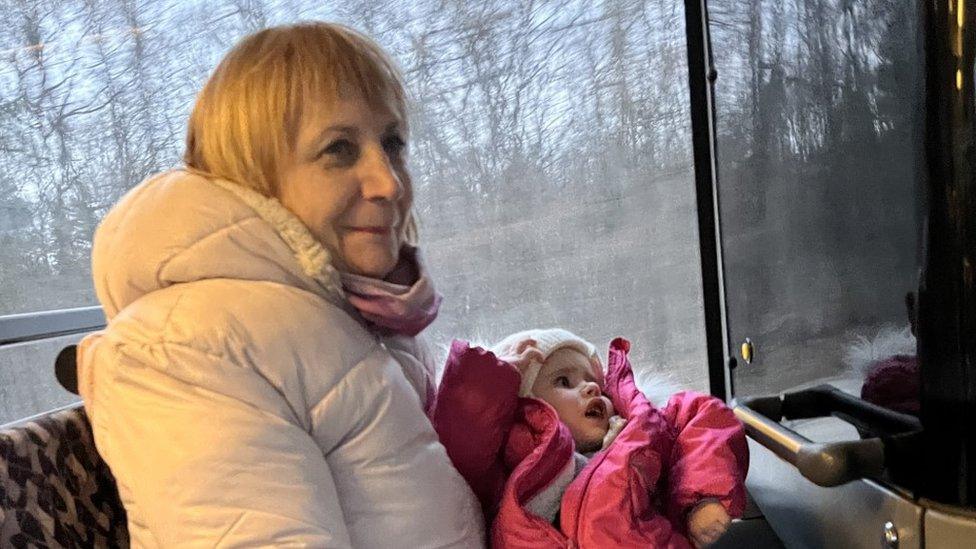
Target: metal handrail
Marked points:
25	420
832	463
824	464
19	328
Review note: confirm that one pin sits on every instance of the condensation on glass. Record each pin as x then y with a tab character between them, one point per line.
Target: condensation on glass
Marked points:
550	152
818	115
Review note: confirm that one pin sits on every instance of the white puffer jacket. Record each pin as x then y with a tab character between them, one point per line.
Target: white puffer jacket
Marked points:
237	397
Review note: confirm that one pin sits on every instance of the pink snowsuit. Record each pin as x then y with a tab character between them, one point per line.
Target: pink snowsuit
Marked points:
636	493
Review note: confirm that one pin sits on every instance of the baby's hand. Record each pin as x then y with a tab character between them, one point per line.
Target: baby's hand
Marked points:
617	424
707	522
524	354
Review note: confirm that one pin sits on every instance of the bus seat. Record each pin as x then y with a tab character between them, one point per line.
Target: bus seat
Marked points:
55	490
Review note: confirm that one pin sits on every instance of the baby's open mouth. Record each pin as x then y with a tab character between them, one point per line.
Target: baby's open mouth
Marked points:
596	409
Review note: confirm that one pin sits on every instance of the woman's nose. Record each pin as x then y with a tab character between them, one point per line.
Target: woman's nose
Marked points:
380	180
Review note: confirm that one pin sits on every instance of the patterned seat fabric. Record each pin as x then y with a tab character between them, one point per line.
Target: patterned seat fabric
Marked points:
55	490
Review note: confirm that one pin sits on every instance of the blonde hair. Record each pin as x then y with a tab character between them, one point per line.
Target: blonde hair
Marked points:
247	117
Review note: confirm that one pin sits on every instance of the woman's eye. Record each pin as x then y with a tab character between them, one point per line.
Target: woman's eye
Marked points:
341	150
394	146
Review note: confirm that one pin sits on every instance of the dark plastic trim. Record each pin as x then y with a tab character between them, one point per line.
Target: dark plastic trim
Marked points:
701	77
947	285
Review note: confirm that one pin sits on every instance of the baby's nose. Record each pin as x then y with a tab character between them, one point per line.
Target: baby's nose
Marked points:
591	389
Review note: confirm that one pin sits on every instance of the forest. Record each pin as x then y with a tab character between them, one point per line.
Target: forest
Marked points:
550	148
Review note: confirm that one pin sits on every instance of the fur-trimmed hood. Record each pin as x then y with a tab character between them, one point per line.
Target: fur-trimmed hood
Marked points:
181	227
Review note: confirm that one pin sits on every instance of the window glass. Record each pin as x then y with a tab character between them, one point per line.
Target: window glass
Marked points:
550	152
818	112
27	383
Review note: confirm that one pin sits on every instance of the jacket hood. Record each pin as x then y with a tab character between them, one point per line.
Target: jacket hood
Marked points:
180	227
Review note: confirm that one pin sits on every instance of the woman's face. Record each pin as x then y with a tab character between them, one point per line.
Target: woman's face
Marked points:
347	181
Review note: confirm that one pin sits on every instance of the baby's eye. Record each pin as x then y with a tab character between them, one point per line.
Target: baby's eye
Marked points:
341	151
562	381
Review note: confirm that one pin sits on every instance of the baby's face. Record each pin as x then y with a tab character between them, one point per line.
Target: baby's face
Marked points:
565	382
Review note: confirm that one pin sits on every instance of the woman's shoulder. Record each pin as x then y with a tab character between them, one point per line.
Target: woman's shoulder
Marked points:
277	329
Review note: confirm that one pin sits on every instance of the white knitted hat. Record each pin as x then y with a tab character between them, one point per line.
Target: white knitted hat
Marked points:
529	349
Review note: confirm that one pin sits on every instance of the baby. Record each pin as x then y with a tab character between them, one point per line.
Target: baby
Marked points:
564	371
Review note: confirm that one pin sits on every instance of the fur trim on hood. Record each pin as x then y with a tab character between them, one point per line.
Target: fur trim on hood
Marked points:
180	227
865	351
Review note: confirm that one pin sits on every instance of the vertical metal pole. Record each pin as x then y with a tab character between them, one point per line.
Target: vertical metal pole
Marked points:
701	76
947	289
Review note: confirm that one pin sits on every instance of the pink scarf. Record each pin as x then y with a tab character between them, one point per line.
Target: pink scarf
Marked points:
393	307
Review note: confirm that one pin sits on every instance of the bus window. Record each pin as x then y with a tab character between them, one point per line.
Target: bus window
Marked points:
27	383
818	117
550	152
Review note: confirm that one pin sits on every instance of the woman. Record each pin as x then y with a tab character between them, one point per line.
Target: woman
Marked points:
258	383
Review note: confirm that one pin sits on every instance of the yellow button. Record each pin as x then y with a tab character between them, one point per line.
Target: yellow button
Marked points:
746	350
